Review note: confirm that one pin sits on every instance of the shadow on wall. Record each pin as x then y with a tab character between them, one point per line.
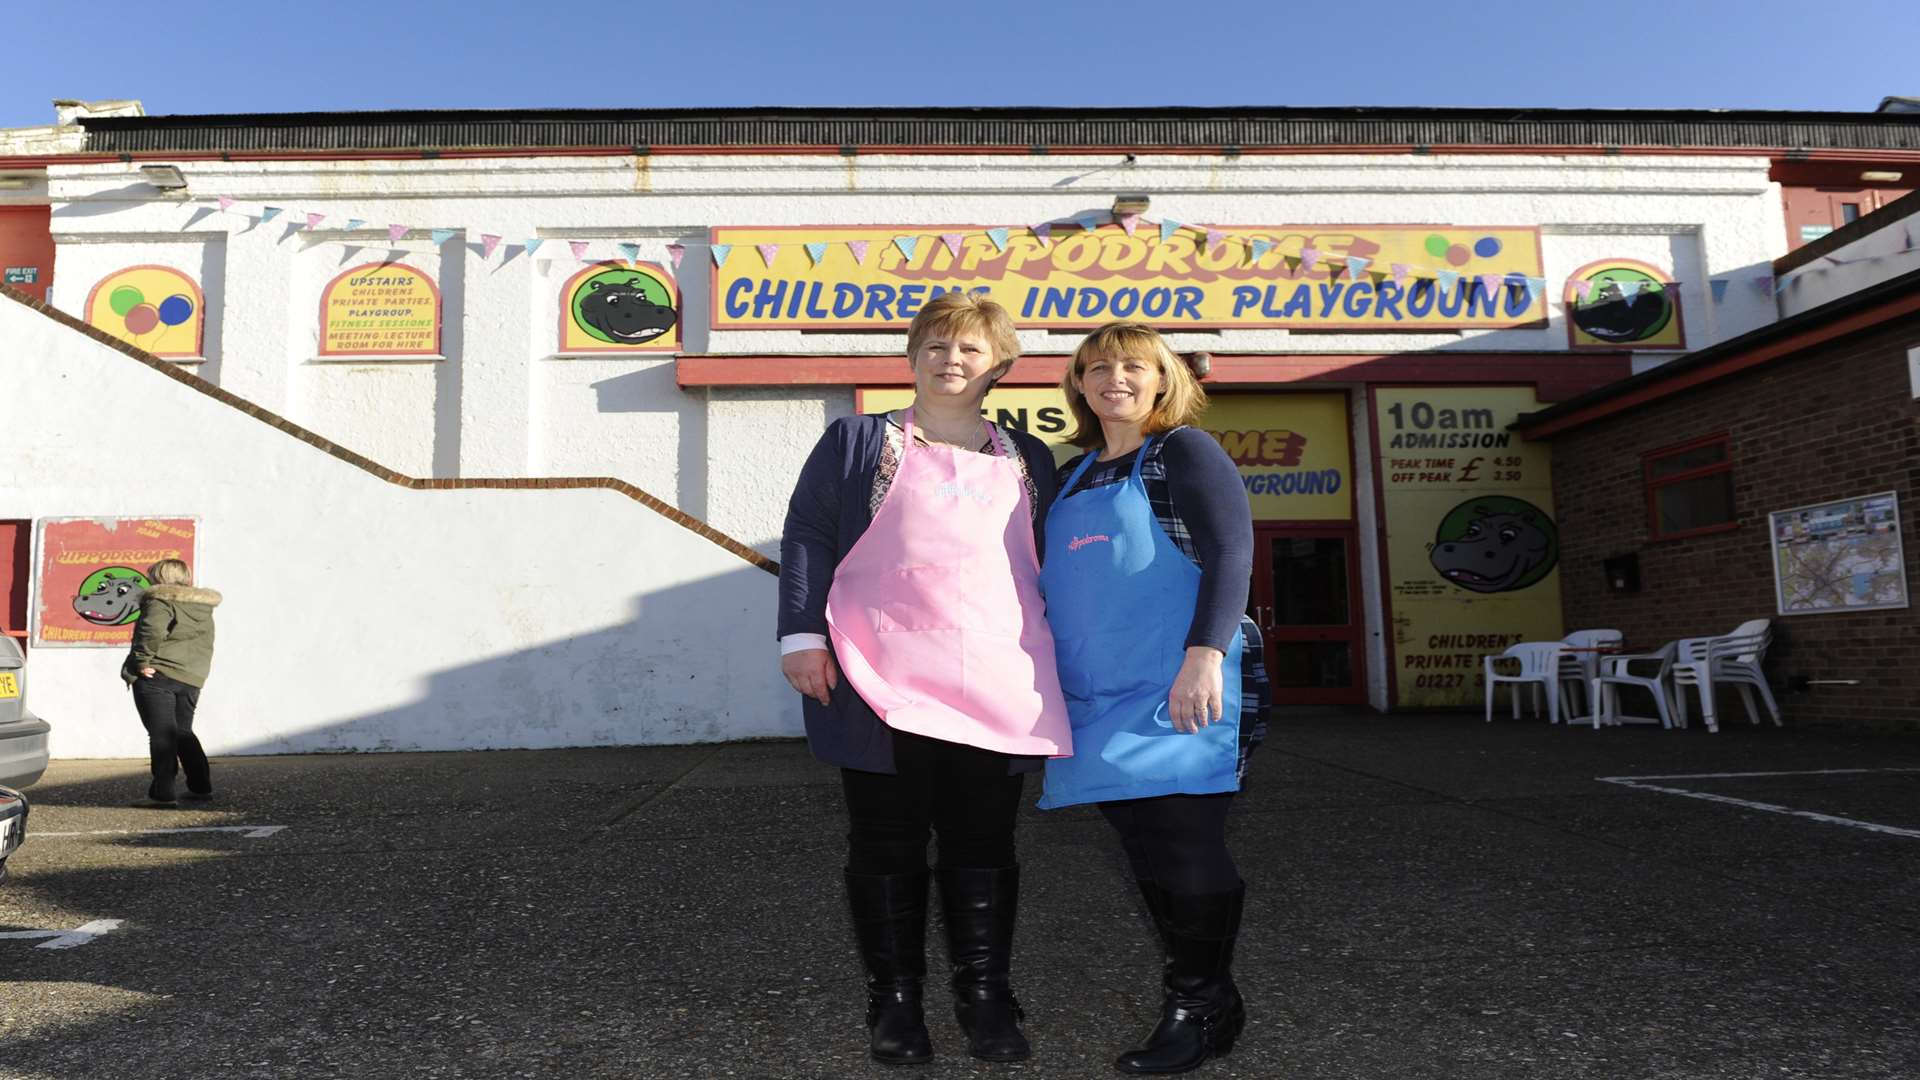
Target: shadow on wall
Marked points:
655	679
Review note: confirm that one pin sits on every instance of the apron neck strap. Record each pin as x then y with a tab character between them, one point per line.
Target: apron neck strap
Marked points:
1140	457
1086	461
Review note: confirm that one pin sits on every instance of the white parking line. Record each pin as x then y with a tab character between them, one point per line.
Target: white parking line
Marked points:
1771	808
251	832
65	939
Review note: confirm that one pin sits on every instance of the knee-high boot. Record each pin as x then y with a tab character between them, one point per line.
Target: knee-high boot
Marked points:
890	923
1202	1014
979	906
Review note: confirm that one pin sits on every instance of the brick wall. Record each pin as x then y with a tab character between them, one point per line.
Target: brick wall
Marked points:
1837	422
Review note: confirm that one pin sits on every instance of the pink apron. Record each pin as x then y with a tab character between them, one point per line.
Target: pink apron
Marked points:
936	614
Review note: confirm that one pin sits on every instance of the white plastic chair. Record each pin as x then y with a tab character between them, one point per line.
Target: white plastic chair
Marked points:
1732	658
1618	671
1539	664
1581	663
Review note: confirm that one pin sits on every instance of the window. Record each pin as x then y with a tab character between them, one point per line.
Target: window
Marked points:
1690	489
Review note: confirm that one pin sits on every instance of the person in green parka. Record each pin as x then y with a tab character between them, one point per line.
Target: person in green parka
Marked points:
166	667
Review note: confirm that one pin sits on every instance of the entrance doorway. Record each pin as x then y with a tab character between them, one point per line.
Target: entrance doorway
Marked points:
1306	601
14	567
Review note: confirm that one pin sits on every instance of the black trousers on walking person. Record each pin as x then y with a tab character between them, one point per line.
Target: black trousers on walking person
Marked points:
166	710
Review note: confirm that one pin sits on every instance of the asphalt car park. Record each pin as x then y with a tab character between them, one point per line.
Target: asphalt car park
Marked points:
1429	897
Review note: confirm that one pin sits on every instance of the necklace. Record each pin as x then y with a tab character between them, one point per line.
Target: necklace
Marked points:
974	439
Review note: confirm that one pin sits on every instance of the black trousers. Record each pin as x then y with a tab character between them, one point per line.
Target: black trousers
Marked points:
1177	841
963	793
166	710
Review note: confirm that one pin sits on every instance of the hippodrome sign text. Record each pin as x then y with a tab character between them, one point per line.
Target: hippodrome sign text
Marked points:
1081	279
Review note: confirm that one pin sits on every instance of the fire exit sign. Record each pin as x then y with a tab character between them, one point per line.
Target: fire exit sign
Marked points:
22	275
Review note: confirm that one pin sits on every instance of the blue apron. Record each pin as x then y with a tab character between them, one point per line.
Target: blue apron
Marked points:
1120	599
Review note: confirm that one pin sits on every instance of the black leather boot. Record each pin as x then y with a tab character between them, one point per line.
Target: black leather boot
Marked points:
1203	1013
979	906
890	923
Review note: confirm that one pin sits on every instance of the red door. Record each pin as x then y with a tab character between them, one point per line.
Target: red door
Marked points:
1306	600
14	557
26	249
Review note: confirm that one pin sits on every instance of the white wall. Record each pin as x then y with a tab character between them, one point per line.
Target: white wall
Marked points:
361	615
503	405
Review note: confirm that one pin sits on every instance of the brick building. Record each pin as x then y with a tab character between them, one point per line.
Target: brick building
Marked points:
1671	486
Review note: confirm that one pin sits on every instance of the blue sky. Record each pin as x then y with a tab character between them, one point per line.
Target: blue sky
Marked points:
194	56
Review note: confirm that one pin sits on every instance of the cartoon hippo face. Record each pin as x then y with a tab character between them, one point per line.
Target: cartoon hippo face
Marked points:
623	313
1608	316
111	596
1495	544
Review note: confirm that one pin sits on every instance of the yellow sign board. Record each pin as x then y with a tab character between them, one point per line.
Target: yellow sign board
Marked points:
1412	276
380	309
1292	449
156	308
629	307
1472	546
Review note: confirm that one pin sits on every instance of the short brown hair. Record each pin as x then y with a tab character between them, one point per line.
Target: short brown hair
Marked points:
1181	399
954	313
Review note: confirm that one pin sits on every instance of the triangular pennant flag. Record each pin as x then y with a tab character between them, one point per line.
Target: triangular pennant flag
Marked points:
906	244
533	244
1292	261
395	232
1535	286
768	252
1260	247
676	252
441	236
1400	272
268	213
1215	237
1718	286
314	220
1168	227
1357	266
952	240
629	251
579	249
1309	257
1448	280
1490	284
859	249
816	251
226	203
488	242
999	238
1765	284
1908	231
1129	222
1044	231
354	223
1630	290
1088	221
720	253
1583	290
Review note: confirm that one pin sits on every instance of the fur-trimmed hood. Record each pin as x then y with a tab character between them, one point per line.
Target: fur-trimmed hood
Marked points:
185	594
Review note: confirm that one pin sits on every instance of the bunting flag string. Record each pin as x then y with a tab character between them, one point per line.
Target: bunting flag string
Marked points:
1356	268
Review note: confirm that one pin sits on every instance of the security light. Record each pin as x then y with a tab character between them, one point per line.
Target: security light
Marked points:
1881	176
164	177
1129	204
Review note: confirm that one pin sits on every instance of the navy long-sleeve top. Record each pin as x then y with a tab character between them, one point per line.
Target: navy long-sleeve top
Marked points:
830	510
1198	497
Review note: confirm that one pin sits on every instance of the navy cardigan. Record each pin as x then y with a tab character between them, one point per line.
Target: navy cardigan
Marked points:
827	514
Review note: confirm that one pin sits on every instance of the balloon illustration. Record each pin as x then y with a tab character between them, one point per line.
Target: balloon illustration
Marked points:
142	319
125	299
176	309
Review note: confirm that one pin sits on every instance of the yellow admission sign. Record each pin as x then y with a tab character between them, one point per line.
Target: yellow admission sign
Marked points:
1473	549
832	277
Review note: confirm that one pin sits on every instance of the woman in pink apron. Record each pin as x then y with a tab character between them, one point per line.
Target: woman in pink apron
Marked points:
911	622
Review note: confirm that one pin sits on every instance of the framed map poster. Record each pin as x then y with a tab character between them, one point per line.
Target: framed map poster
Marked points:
1839	556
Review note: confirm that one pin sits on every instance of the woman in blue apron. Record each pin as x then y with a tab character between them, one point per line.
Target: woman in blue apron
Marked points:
1149	556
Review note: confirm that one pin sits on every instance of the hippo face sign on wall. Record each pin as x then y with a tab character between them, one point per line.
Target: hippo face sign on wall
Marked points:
1623	304
620	307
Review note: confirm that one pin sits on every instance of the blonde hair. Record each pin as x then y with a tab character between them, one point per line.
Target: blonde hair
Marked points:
170	572
954	313
1181	399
